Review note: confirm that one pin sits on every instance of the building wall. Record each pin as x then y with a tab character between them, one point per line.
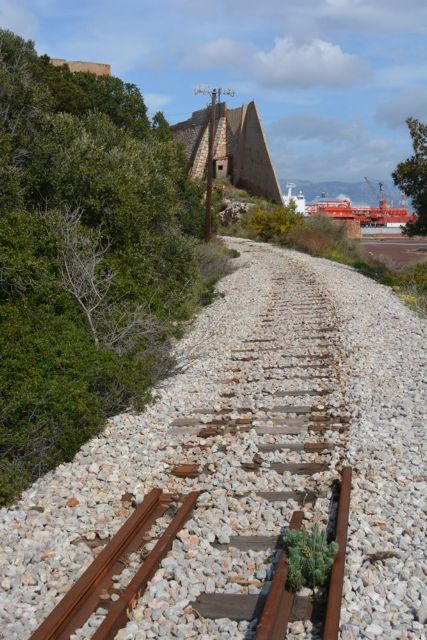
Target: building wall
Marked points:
220	143
193	134
97	68
189	135
254	167
198	169
221	168
239	139
235	120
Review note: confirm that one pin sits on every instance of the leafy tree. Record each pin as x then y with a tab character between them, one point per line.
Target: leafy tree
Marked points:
65	92
10	182
411	177
161	127
91	164
122	101
22	101
14	49
23	104
96	262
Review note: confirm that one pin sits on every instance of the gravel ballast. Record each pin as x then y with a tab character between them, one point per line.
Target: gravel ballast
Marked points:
379	377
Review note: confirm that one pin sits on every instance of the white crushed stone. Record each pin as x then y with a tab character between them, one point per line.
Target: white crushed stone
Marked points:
379	373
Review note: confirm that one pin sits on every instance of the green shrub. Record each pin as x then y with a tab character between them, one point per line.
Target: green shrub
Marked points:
85	181
56	385
233	253
56	389
310	558
274	222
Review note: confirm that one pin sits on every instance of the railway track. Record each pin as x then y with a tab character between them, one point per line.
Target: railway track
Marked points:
285	397
89	591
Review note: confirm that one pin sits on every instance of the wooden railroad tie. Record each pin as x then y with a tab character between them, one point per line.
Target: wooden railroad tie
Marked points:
260	607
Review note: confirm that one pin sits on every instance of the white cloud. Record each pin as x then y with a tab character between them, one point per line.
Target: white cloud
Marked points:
17	19
310	126
312	17
317	63
217	53
409	103
107	46
399	75
339	162
81	31
311	147
156	100
371	15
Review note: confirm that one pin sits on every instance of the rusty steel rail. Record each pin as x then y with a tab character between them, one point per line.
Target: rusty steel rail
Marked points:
333	607
118	614
84	597
278	605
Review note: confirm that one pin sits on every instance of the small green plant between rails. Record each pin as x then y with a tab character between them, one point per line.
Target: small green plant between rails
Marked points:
310	558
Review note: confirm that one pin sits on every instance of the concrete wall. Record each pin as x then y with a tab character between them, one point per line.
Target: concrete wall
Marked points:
221	168
220	142
190	136
98	68
193	134
254	169
240	139
235	120
198	169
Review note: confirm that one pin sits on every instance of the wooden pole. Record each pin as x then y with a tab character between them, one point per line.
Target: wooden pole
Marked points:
209	183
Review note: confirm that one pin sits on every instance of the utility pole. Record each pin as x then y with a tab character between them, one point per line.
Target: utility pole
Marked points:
214	94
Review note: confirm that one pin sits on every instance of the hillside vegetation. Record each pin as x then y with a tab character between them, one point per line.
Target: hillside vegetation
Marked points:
319	236
99	256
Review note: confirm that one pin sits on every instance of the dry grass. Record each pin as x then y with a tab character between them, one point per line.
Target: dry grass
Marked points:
324	238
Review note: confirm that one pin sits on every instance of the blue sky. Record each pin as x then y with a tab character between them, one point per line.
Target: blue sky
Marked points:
334	80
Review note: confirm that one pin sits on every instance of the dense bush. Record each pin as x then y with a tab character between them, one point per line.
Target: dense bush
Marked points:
99	256
252	216
274	222
416	276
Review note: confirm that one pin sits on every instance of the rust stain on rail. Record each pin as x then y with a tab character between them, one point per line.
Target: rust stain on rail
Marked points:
86	595
278	605
333	607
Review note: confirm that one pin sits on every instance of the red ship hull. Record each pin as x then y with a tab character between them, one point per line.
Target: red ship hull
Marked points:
381	216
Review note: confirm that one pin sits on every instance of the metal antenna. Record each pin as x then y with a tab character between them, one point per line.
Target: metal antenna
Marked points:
214	94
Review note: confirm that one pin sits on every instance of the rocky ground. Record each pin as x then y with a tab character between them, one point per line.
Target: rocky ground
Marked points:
380	351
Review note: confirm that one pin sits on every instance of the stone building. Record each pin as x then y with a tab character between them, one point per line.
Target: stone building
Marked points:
98	68
240	149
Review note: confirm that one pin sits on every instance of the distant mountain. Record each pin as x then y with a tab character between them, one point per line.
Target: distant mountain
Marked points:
358	192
